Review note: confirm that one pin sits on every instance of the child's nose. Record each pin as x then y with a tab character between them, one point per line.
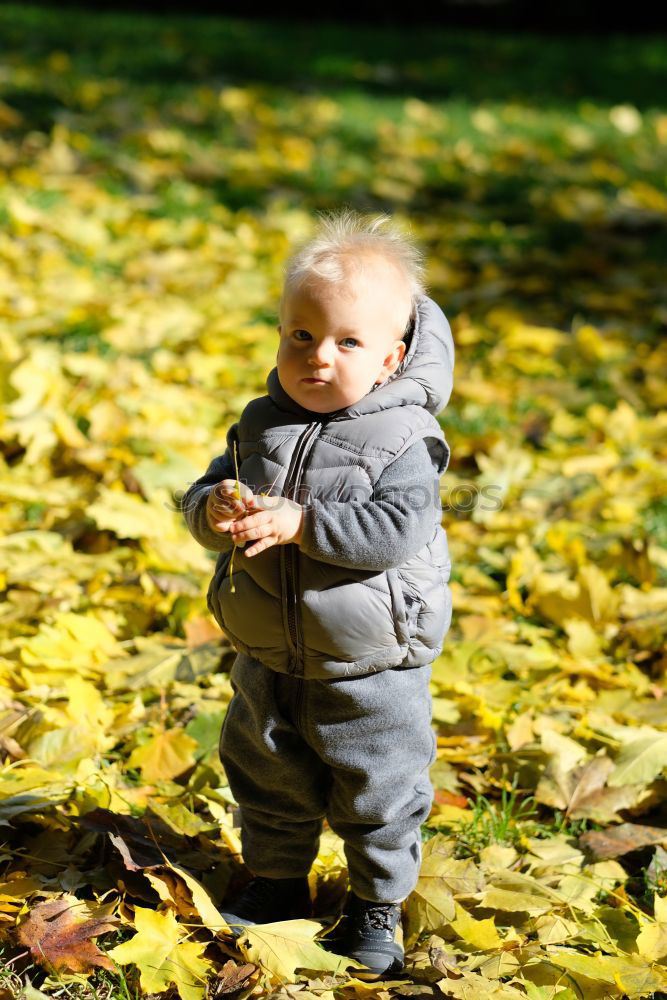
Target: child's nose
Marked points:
322	354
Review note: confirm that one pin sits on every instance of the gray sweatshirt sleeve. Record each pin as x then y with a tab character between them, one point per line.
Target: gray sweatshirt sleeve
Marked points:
194	499
384	531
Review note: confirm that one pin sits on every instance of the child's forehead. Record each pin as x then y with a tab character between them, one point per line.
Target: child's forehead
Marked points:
350	318
357	289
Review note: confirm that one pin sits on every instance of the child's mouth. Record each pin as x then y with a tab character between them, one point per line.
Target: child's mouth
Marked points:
318	381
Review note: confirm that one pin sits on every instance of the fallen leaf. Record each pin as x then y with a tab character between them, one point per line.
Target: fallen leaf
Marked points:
283	947
58	934
619	840
163	957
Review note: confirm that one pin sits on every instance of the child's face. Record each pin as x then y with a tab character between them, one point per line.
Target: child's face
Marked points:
347	338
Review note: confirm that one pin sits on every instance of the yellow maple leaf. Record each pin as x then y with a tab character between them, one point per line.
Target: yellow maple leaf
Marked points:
283	947
162	957
167	755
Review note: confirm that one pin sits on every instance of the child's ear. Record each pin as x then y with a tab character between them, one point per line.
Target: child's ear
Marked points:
393	360
396	355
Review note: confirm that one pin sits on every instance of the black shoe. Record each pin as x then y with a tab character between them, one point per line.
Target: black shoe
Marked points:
365	932
265	900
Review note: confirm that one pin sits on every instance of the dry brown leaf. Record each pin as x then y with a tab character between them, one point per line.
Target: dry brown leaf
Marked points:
232	977
622	839
58	939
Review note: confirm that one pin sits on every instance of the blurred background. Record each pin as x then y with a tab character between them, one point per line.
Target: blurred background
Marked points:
507	15
156	168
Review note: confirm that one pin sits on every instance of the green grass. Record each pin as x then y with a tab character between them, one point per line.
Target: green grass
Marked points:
507	820
427	60
499	822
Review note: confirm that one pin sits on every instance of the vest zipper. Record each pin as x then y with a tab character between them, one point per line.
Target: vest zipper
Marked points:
299	701
291	558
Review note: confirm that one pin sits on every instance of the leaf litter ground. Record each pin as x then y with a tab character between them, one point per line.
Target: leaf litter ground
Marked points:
144	231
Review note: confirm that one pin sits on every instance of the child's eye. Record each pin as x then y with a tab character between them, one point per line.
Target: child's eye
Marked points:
354	341
301	331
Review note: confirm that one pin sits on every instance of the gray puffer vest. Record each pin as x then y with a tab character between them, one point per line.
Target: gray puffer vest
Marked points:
311	618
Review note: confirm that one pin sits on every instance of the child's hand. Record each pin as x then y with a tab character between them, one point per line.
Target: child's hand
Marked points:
277	522
223	505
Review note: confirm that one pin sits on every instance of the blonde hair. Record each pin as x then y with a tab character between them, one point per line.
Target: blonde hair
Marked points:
340	237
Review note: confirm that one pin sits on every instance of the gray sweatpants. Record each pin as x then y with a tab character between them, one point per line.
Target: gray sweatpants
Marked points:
356	750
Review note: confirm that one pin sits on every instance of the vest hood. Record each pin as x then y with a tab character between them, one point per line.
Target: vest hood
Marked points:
424	376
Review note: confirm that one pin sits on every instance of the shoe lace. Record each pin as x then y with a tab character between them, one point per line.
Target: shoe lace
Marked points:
380	916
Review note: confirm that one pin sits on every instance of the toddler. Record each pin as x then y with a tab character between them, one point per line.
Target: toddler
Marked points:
338	601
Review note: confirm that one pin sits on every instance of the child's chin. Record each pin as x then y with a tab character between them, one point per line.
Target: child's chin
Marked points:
320	406
320	399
